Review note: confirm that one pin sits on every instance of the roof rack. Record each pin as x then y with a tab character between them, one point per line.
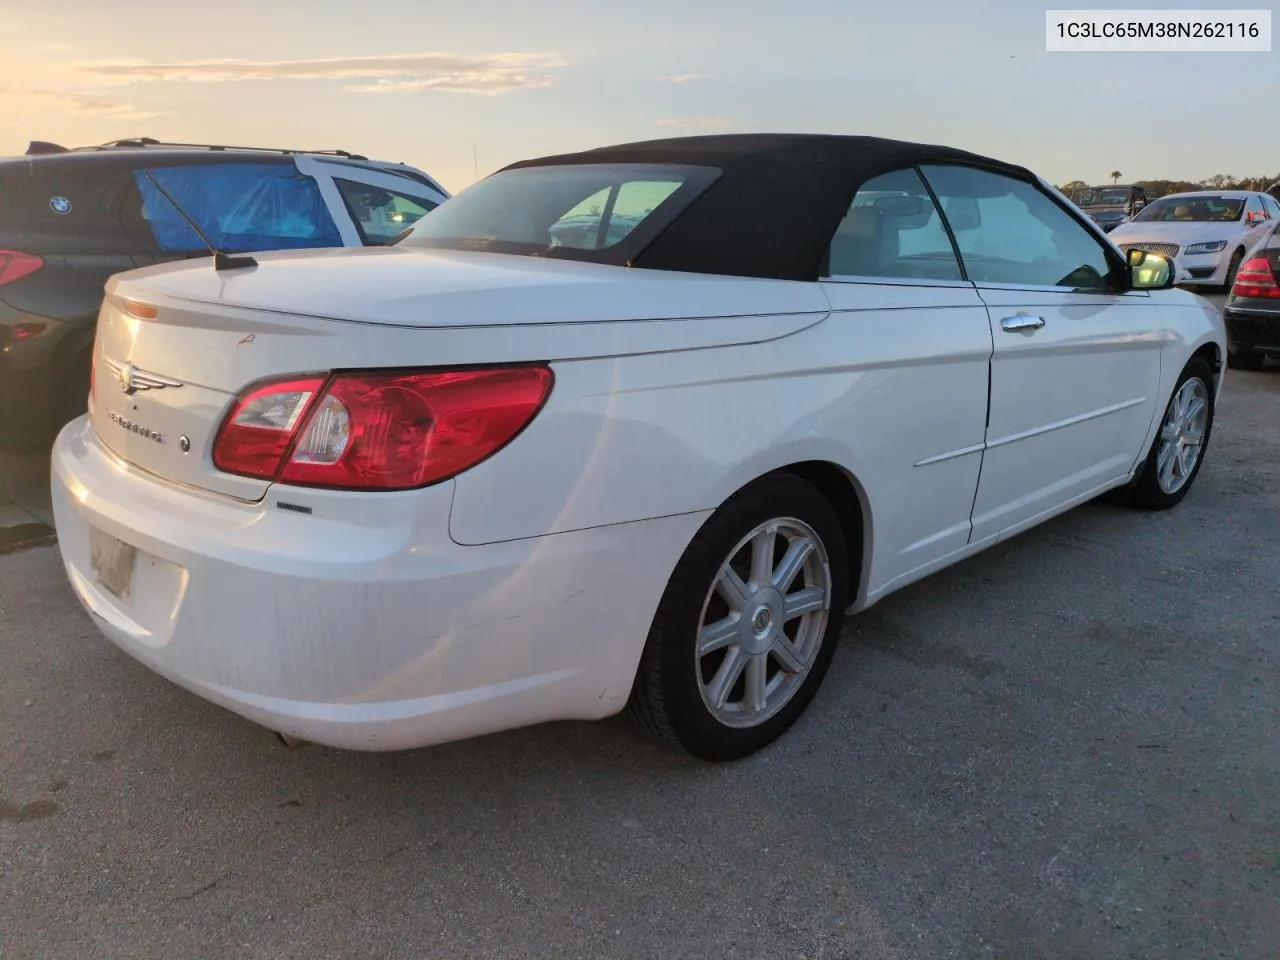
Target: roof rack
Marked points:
152	142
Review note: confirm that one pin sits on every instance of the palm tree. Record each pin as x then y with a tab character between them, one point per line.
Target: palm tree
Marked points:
1115	176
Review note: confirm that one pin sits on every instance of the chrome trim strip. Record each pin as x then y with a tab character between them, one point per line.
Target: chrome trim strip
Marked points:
1027	434
951	454
1069	422
895	281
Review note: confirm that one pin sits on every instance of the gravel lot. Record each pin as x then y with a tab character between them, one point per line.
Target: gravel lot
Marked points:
1066	747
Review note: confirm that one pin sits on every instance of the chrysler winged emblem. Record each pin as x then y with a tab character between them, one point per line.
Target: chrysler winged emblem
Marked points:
131	379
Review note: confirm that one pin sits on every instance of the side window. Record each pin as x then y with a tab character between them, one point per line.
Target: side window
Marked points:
241	207
381	215
1254	206
1272	207
608	215
892	229
1008	231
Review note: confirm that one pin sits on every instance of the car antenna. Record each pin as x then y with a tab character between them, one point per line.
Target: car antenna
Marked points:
221	261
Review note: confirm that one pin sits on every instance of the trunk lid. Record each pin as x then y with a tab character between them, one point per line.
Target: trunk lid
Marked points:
163	384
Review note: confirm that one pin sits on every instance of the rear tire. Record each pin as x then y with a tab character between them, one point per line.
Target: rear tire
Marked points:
1178	450
748	624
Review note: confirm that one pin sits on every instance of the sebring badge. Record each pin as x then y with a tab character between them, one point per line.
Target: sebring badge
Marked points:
134	427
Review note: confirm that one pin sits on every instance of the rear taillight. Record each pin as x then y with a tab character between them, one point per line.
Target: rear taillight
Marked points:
378	430
1254	279
14	265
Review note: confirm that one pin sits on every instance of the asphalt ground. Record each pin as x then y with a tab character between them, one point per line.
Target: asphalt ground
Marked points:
1065	747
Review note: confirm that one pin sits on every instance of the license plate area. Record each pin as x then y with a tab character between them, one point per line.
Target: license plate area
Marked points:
112	562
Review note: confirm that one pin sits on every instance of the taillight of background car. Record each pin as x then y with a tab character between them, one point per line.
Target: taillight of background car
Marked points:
1255	280
378	430
14	265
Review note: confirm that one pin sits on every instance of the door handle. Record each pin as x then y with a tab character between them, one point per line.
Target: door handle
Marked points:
1021	322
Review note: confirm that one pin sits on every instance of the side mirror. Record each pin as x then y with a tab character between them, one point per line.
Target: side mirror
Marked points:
1254	217
1150	271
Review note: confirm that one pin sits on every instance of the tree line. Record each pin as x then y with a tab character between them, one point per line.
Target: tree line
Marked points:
1159	188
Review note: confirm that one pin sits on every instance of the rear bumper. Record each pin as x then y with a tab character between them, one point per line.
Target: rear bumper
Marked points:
358	628
1253	328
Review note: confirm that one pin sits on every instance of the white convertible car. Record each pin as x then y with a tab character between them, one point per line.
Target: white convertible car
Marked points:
506	472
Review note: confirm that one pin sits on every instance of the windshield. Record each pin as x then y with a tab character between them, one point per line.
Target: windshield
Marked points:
604	213
1101	196
1192	210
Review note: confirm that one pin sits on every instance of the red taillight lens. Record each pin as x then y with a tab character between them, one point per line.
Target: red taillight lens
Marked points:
1254	279
382	430
256	435
14	265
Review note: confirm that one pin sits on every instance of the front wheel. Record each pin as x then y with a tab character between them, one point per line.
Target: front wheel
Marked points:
1178	450
1233	268
748	624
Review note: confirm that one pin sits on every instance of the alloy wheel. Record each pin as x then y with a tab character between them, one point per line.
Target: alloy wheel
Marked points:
1182	435
763	621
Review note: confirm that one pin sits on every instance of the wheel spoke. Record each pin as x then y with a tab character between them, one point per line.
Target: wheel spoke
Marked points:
792	563
1193	437
786	655
1169	433
804	601
1168	457
1195	408
762	545
1186	460
755	695
726	676
716	635
732	589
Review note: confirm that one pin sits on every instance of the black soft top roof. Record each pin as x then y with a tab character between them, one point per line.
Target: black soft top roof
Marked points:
779	198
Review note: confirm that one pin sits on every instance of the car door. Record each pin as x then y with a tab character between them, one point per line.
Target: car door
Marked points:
918	336
1076	364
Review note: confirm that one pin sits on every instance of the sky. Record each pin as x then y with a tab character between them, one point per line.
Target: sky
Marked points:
460	89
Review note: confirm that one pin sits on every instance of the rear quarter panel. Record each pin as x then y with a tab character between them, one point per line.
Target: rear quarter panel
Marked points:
872	390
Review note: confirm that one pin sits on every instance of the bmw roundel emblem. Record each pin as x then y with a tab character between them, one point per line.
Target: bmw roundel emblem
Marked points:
60	205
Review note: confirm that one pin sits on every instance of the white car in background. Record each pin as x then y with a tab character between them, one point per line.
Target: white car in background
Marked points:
508	471
1208	233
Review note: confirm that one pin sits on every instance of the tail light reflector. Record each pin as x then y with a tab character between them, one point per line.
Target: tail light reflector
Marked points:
14	265
261	426
380	430
1255	280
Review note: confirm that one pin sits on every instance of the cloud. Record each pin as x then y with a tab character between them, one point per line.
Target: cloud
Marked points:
687	122
685	77
28	102
400	73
